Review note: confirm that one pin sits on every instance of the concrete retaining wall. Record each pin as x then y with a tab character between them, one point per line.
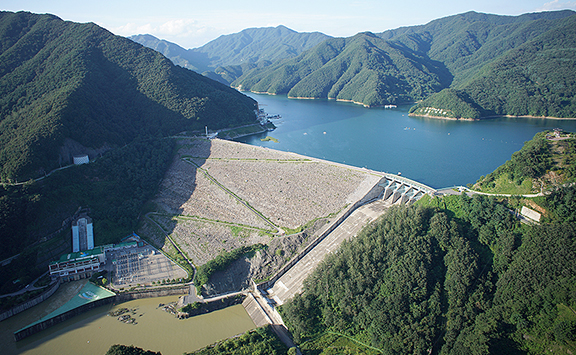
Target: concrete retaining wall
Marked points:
136	295
255	311
31	303
210	306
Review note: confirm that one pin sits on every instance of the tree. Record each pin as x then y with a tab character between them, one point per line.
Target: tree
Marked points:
129	350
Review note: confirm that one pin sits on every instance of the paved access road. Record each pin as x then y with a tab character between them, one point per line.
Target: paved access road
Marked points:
291	282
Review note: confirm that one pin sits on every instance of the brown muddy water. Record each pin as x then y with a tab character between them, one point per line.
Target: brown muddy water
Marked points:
94	332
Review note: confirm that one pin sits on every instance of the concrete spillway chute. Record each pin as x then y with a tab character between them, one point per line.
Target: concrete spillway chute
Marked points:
418	195
409	194
398	189
384	183
391	189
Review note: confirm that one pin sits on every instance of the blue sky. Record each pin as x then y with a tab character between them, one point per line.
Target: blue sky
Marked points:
193	23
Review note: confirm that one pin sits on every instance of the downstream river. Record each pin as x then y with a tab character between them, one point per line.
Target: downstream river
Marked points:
438	153
94	332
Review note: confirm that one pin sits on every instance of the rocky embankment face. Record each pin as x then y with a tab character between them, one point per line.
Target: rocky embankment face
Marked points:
263	264
221	195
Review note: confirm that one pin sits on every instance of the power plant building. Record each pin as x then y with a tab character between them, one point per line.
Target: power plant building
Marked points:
78	265
82	234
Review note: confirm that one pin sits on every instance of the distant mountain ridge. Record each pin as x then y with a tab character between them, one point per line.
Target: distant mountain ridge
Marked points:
67	82
451	63
249	46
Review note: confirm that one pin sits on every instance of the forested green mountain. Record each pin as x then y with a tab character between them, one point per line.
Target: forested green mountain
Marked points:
249	46
78	83
469	65
455	275
536	78
466	42
363	68
256	44
186	58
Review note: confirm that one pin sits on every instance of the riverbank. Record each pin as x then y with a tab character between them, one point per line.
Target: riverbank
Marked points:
94	331
340	100
313	98
242	131
44	295
91	297
528	116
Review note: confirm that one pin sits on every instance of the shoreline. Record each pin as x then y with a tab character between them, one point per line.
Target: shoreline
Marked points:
316	98
494	116
410	114
445	118
530	116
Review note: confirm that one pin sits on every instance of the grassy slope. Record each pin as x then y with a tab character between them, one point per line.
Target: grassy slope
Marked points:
541	164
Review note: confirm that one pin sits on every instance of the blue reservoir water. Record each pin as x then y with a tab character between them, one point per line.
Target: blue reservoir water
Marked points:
438	153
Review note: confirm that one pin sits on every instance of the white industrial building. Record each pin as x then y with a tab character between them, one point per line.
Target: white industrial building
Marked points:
530	214
81	159
82	234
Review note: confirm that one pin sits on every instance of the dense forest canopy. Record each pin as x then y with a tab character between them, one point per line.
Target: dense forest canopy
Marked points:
78	83
118	349
458	275
261	341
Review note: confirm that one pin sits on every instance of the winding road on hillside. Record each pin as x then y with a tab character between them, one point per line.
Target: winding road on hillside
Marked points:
451	191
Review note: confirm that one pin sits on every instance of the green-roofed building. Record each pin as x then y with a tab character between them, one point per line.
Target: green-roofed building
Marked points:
78	265
90	296
82	264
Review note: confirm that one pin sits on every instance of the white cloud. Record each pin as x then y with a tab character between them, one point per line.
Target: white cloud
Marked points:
187	33
557	5
132	29
180	27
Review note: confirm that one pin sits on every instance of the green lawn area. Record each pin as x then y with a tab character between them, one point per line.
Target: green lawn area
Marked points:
504	185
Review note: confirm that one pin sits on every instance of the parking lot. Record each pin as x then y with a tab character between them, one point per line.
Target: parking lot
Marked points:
143	266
